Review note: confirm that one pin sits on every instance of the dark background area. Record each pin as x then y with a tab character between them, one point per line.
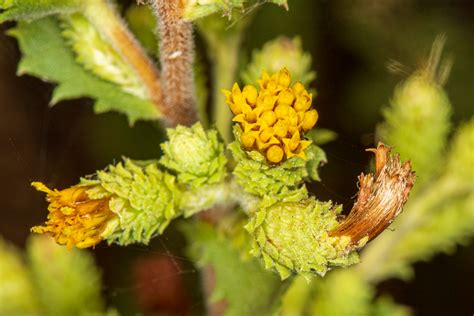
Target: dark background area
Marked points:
350	42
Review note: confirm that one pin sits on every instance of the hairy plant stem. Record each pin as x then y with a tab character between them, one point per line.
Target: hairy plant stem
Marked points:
176	57
104	17
374	259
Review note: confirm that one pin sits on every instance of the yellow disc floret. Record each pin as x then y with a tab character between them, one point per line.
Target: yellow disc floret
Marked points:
74	219
274	118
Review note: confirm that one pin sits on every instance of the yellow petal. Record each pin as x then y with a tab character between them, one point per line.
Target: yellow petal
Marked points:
298	87
250	94
248	139
274	154
286	97
310	119
281	111
281	128
284	78
269	117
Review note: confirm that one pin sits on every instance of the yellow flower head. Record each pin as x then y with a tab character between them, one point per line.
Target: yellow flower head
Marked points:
275	117
74	219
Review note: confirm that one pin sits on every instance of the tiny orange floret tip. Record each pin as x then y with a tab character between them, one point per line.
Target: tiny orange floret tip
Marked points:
74	219
274	118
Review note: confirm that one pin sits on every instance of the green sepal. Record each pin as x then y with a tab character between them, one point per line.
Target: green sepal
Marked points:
321	136
197	156
292	235
45	54
30	10
316	157
144	198
195	9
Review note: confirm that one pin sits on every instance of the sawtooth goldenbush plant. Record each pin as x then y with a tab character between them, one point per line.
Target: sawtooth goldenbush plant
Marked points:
234	175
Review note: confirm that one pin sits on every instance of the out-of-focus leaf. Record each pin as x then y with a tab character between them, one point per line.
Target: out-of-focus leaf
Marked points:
246	287
450	225
35	9
345	293
47	56
66	281
296	297
17	295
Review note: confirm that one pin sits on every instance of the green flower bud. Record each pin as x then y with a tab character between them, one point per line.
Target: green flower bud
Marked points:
195	155
98	56
292	236
144	198
195	9
277	54
258	177
417	122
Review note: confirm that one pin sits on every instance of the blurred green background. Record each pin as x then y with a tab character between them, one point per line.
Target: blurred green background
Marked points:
351	42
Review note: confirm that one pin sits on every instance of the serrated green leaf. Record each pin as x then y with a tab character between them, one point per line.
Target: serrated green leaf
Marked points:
47	56
244	285
67	281
35	9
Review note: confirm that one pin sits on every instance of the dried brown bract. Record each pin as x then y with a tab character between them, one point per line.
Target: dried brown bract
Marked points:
381	197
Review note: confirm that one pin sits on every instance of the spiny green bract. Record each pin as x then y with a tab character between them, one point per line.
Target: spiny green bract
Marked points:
196	155
98	56
144	198
253	173
279	53
292	235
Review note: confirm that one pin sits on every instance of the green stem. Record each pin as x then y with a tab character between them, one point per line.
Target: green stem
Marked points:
224	72
223	46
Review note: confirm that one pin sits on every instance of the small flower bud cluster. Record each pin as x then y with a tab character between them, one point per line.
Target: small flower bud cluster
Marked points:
275	118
